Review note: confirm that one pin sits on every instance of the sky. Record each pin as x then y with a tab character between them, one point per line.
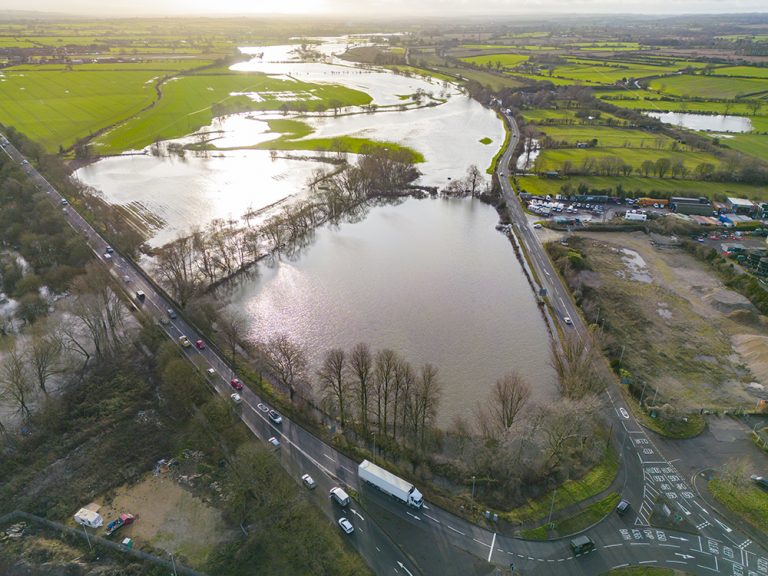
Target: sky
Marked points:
381	7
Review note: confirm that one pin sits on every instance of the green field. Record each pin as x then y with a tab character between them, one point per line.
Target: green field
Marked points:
753	144
606	137
637	100
56	108
717	87
566	115
553	159
170	65
745	71
643	186
187	103
495	81
618	46
546	78
606	72
749	502
497	60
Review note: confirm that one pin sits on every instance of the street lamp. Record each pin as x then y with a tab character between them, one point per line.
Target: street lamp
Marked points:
552	507
473	488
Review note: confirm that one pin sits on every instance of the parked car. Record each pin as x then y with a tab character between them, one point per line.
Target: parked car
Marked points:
275	417
274	441
236	384
309	482
200	345
346	525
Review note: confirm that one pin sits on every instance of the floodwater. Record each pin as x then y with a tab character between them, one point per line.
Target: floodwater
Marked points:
430	279
706	122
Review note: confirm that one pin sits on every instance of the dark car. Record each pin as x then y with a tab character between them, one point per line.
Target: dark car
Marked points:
581	545
200	345
622	508
236	384
760	481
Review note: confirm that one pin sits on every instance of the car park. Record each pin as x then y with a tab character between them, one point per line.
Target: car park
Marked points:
200	345
236	398
309	482
275	417
236	384
346	525
274	442
184	341
622	508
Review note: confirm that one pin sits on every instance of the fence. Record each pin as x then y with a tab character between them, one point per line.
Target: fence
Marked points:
90	538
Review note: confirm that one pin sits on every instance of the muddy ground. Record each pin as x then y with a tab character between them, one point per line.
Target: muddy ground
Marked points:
699	343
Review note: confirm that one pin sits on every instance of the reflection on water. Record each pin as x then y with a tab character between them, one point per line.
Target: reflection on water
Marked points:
430	279
709	122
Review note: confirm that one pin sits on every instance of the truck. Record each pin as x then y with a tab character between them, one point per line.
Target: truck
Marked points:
635	217
115	525
390	484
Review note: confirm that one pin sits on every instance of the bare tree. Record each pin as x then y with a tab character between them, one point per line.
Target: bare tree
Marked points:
333	380
404	386
45	358
424	401
579	365
384	377
566	425
287	360
360	366
15	386
506	399
232	324
473	179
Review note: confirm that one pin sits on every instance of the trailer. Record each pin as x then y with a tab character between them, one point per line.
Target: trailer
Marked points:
115	525
390	484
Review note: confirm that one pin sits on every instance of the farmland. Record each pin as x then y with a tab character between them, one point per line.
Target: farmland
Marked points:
742	71
641	186
606	72
714	87
187	104
752	144
497	60
641	100
606	137
634	157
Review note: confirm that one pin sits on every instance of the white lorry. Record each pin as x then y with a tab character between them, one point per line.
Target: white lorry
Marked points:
390	484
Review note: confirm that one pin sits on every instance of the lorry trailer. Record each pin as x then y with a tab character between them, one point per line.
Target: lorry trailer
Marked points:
390	484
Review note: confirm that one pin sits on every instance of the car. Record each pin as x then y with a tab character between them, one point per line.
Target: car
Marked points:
64	202
236	398
199	344
211	372
275	417
346	525
567	320
171	314
760	481
126	278
309	482
622	508
140	296
107	256
184	341
236	384
581	545
274	441
109	250
537	226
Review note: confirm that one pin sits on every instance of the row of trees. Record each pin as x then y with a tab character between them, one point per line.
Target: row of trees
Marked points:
615	166
190	264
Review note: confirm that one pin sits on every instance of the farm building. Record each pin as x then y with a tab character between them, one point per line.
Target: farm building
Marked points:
697	208
740	206
734	219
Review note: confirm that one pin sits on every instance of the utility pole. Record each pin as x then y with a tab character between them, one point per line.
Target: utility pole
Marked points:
87	538
473	488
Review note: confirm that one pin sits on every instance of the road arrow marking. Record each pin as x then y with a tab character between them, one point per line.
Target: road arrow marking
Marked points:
723	526
356	513
684	509
404	568
702	509
413	516
678	538
685	556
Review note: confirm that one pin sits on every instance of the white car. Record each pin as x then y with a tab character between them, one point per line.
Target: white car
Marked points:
309	482
567	320
274	441
236	398
346	525
211	372
537	226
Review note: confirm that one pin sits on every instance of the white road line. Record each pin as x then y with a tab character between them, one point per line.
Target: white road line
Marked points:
676	562
347	469
454	529
647	561
700	506
619	566
669	545
413	516
329	458
612	545
432	518
493	543
483	543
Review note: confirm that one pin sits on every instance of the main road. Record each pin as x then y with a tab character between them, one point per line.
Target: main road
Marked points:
394	539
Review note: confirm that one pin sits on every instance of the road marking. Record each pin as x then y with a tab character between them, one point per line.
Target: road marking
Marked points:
612	545
413	516
669	545
618	566
723	526
329	458
356	513
676	562
700	506
378	549
457	531
347	469
403	567
492	545
483	543
684	556
425	507
679	538
432	518
639	543
647	561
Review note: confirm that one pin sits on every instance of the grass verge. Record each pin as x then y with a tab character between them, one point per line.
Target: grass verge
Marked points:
571	492
749	502
492	168
576	523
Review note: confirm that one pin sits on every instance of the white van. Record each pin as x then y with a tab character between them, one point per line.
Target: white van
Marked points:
341	497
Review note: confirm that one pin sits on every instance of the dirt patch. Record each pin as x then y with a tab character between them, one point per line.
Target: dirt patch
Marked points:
684	332
169	517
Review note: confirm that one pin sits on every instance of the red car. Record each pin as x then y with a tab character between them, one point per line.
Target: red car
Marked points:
200	345
236	384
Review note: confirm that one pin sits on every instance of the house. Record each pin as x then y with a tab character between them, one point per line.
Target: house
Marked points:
740	206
